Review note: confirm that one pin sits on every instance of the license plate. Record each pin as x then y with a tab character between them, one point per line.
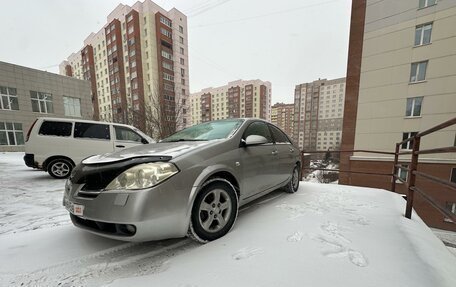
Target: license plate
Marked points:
78	209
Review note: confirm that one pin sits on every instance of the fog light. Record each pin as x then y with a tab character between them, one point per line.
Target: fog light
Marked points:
131	228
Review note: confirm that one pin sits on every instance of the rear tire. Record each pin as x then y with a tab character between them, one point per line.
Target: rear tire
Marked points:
214	211
293	185
60	168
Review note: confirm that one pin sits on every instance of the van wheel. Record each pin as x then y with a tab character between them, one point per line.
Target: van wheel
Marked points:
59	168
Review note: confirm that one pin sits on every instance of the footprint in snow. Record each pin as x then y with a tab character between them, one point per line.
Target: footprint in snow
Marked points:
357	258
246	252
337	249
295	237
360	221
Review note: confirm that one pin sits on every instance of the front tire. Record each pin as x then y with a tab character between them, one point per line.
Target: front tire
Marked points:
59	168
214	211
293	184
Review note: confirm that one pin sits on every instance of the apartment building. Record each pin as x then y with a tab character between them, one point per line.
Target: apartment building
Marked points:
318	114
282	115
26	94
401	79
237	99
137	64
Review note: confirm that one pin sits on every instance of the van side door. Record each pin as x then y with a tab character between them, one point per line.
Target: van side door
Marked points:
90	139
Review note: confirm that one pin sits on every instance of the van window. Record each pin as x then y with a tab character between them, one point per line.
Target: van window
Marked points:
91	131
125	134
52	128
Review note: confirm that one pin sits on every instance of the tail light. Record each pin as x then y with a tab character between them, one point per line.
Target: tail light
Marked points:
30	130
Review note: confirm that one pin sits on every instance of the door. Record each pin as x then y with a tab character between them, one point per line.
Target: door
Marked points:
90	139
285	154
125	138
258	162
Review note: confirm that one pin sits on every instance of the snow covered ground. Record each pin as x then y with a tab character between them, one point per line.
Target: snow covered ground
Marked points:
324	235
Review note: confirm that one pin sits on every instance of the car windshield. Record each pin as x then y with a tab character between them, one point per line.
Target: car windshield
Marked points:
206	131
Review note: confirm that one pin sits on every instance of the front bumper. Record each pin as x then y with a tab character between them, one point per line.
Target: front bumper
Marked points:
156	213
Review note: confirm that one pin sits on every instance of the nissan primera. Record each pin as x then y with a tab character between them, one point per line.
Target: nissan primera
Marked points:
191	183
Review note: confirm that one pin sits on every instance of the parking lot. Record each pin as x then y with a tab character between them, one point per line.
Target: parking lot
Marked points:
324	235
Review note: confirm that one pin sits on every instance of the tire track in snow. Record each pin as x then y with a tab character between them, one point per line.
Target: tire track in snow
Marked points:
126	260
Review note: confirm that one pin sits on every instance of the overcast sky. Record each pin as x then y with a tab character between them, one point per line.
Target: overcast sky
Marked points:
286	42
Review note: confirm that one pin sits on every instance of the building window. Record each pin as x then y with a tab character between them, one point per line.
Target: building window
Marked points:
11	134
8	99
423	34
181	29
409	144
168	77
402	172
72	106
451	207
453	175
181	40
167	66
413	108
182	61
41	102
129	18
166	55
166	32
165	21
418	71
181	50
426	3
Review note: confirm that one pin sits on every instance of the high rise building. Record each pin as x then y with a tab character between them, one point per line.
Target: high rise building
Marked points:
401	79
237	99
282	115
318	113
26	94
138	68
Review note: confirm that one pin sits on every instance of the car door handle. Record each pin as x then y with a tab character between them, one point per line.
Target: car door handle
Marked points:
291	150
275	152
122	146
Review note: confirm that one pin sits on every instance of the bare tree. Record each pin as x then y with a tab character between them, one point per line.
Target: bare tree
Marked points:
161	115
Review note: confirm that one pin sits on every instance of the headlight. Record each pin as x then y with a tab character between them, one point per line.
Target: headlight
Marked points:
143	176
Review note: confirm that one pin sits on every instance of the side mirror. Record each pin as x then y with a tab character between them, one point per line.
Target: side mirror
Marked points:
255	140
144	141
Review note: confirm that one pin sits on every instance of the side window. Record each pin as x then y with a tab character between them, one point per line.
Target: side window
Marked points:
59	129
91	131
125	134
279	136
259	129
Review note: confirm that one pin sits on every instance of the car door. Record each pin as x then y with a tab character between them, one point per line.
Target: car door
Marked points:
125	137
285	154
258	162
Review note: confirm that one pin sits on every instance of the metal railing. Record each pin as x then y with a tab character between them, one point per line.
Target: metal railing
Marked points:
412	170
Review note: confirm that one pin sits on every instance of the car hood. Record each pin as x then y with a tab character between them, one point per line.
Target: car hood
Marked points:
165	150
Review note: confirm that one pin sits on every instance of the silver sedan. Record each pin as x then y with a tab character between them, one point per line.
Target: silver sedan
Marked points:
191	183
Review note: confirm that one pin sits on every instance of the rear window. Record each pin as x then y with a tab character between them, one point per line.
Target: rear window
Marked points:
91	131
53	128
279	136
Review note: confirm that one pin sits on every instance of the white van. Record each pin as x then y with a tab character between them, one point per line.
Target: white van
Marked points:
56	145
